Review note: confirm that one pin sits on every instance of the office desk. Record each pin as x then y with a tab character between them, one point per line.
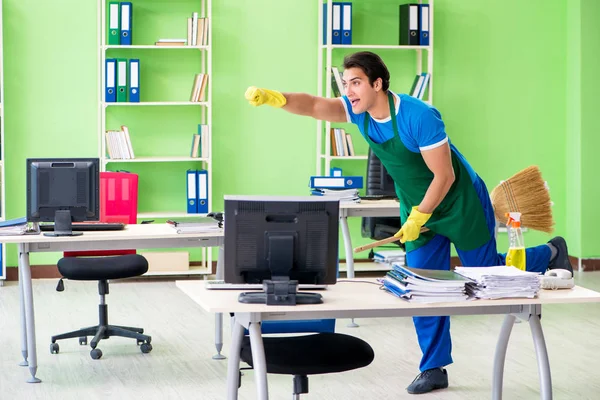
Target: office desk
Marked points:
366	208
142	236
357	299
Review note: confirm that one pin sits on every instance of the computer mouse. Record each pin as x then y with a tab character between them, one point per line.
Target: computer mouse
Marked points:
559	273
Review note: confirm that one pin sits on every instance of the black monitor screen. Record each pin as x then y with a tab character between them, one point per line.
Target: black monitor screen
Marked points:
63	188
279	238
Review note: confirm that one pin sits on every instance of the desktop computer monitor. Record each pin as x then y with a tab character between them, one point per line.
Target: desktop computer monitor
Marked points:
281	242
63	190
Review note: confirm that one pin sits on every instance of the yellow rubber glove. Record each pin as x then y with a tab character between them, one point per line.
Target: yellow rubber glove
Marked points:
412	227
258	97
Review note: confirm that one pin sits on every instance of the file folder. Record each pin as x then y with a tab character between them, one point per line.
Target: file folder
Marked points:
334	171
121	80
337	182
409	24
336	23
110	79
424	24
423	87
346	23
202	192
114	24
134	80
192	191
126	13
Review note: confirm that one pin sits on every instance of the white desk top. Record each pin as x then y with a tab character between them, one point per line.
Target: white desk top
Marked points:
357	295
131	232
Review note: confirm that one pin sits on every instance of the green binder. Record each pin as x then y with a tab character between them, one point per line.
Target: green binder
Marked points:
114	23
121	80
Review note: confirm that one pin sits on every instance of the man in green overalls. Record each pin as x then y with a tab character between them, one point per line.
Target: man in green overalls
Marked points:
435	184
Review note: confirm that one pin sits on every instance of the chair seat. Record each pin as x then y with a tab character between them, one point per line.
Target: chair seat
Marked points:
322	353
101	268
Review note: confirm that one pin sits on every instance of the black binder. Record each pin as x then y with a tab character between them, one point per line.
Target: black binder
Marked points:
409	24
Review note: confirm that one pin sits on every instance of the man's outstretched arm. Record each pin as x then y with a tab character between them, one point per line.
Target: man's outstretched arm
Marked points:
299	103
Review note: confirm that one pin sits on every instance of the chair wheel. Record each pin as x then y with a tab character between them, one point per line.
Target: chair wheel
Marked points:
146	348
54	348
96	354
83	340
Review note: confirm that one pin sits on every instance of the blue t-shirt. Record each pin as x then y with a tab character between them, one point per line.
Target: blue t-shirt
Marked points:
420	127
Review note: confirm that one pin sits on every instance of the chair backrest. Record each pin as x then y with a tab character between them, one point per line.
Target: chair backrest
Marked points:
118	203
379	182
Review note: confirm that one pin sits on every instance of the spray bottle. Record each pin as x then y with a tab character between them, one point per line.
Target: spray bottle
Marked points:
516	247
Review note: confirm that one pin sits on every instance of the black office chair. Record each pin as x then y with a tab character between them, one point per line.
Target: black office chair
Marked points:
102	269
379	183
300	356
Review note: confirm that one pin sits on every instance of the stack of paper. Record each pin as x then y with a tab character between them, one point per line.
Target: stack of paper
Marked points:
343	195
196	225
500	282
425	285
390	257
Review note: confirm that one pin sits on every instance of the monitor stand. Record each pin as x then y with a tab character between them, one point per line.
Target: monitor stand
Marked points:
280	293
280	290
63	225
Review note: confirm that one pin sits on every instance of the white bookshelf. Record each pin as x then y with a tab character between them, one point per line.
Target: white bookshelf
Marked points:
2	152
158	103
204	9
424	62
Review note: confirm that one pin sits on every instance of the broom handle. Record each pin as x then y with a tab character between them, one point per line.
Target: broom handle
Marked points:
381	242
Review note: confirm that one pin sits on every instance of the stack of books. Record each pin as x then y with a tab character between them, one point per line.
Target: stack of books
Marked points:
118	144
500	282
425	285
343	195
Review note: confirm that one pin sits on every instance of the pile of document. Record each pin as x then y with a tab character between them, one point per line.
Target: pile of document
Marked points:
390	257
195	225
500	282
424	285
343	195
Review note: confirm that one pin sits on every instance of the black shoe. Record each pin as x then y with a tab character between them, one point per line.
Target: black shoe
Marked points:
561	261
426	381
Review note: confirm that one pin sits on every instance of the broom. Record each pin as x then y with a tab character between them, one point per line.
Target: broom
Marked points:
525	192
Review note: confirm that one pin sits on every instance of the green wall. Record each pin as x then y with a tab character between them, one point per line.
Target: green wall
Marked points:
590	127
501	83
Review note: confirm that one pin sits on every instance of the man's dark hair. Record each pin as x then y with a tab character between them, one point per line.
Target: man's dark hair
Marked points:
371	64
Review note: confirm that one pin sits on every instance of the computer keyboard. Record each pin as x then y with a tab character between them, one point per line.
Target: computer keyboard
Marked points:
219	284
378	197
88	226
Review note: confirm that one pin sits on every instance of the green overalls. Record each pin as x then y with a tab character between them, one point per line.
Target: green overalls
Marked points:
459	217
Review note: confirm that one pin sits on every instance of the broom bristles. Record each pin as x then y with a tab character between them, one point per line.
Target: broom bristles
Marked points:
525	192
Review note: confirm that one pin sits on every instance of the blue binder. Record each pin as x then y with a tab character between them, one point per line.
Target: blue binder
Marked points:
346	23
126	13
110	80
192	191
337	24
202	191
424	24
336	182
134	80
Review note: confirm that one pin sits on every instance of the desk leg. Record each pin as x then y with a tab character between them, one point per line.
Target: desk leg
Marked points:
259	361
23	363
233	366
219	316
542	357
347	247
500	356
29	313
349	257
